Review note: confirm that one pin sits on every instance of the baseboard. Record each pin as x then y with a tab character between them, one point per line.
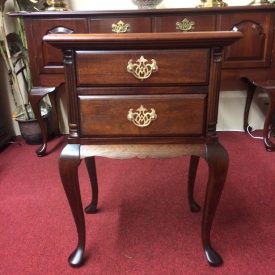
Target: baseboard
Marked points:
231	110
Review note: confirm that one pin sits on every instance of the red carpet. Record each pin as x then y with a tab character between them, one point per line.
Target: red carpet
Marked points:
144	225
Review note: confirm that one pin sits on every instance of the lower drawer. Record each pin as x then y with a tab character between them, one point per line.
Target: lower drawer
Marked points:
142	115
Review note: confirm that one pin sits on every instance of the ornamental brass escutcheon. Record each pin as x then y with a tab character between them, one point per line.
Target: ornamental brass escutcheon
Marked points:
120	27
185	25
142	69
142	117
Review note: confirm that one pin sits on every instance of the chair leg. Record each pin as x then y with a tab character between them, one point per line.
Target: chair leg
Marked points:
35	97
250	90
193	166
91	167
269	145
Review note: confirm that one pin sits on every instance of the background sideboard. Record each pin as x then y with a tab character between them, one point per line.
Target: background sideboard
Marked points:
252	56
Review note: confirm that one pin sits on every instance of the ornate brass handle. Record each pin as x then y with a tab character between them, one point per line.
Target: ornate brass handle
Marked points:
185	25
141	117
142	69
120	27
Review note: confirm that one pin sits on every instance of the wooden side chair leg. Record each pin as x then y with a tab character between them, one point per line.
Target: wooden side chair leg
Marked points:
35	97
269	145
250	90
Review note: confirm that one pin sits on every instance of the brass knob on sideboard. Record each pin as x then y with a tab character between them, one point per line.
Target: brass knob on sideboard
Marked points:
142	69
185	25
120	27
142	117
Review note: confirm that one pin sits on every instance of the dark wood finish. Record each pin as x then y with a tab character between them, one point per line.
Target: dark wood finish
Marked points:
68	164
200	22
105	115
254	50
91	167
245	57
182	72
251	56
217	160
189	116
104	25
48	60
269	88
193	166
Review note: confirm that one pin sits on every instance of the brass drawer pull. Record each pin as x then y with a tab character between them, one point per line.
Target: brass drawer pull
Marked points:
142	69
120	27
142	117
185	25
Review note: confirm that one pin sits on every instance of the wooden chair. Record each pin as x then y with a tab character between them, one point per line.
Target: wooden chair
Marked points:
263	86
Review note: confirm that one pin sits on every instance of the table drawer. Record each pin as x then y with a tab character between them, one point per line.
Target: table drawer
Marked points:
142	115
136	67
120	24
182	23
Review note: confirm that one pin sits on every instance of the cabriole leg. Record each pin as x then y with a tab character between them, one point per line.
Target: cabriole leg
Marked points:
217	159
68	168
193	166
90	164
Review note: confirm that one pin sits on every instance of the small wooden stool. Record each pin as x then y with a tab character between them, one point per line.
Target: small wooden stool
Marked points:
267	86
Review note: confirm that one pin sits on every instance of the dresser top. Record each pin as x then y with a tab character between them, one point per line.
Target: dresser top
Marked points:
147	40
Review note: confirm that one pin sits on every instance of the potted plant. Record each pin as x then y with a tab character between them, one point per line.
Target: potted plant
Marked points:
14	55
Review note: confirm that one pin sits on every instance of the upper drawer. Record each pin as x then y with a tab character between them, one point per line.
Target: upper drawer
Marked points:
120	24
146	67
182	23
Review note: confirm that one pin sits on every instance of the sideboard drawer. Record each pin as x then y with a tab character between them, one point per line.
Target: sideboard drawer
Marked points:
182	23
144	115
120	24
161	67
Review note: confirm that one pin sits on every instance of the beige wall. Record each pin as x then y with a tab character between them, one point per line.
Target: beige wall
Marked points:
231	102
